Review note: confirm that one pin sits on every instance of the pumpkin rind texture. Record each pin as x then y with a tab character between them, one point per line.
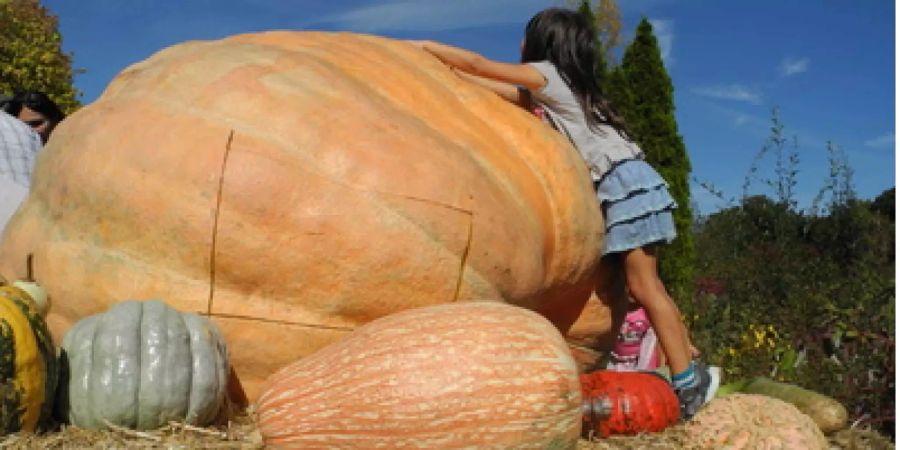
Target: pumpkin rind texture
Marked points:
293	186
466	375
28	365
751	421
594	332
625	403
142	364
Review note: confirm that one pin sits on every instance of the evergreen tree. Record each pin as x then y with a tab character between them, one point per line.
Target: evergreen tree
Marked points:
31	56
642	91
884	204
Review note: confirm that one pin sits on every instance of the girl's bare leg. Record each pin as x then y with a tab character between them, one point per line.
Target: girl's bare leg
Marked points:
643	282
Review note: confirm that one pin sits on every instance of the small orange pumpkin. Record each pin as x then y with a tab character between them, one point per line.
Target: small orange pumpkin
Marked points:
627	403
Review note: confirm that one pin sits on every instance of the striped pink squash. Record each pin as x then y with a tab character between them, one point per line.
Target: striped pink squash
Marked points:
478	375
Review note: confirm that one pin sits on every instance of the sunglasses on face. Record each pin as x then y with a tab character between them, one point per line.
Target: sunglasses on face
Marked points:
35	122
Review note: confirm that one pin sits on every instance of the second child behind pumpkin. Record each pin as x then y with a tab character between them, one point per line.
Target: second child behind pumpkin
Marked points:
37	110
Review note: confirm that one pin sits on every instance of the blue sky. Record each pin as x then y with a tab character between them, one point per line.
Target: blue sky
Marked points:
827	65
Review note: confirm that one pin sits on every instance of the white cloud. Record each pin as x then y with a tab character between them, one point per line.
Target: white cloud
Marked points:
792	66
662	29
741	119
734	92
884	141
434	15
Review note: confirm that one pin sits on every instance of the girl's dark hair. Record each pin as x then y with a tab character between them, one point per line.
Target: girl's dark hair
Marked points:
566	39
36	101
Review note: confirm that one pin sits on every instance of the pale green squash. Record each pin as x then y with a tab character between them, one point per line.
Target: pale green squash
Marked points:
142	364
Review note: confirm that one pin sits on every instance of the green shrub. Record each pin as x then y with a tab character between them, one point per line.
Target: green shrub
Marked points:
802	296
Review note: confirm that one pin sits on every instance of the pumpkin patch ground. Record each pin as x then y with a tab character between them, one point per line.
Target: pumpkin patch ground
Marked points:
241	433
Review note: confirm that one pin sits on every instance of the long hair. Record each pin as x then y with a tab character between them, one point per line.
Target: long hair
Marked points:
566	39
36	101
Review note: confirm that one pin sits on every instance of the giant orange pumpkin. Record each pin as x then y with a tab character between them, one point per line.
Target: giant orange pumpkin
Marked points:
295	185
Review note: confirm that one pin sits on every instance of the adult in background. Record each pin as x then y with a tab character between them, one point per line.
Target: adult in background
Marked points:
19	145
37	111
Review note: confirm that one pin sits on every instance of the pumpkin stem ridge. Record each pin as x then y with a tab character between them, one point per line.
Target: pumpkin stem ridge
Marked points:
215	229
463	259
29	268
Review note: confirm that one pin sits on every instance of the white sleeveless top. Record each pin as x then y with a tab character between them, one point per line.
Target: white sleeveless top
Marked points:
601	147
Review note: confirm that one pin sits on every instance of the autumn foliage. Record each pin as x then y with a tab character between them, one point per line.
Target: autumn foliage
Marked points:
31	55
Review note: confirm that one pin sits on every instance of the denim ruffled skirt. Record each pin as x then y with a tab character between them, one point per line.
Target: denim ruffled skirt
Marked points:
637	207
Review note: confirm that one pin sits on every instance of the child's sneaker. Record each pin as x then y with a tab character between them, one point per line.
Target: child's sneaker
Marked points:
694	397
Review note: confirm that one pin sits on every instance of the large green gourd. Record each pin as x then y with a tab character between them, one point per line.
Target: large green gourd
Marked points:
143	364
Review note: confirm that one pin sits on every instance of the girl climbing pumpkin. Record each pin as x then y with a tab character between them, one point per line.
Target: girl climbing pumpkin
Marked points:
557	73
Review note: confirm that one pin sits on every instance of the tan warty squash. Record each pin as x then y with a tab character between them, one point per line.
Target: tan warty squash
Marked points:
751	421
296	185
28	365
467	375
829	414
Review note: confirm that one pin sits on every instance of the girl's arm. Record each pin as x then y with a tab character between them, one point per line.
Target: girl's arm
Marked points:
476	64
506	91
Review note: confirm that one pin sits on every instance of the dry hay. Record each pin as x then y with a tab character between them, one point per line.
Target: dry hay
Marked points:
860	439
676	437
241	433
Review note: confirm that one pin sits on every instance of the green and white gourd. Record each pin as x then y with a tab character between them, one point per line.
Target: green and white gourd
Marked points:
142	364
29	369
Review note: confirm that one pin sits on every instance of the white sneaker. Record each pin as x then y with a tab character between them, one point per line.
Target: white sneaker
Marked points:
715	379
693	398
